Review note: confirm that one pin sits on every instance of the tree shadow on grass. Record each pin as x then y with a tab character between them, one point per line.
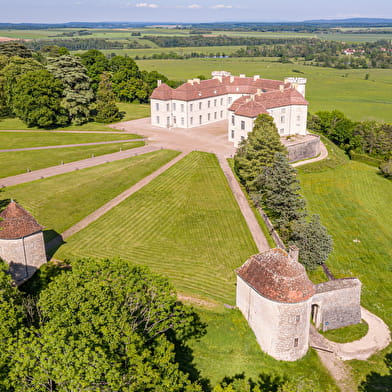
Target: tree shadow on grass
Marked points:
375	382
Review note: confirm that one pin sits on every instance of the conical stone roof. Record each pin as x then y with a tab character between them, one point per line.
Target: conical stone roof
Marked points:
274	275
17	222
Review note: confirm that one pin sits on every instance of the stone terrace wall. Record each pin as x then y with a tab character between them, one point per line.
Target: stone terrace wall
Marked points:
308	147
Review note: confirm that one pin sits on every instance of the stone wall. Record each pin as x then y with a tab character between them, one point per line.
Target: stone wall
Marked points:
282	330
337	303
25	255
303	148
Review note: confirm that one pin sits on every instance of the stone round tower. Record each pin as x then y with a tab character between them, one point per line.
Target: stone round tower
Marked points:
274	294
21	242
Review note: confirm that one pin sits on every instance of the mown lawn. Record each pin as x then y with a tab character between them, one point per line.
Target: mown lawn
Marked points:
354	203
61	201
131	112
185	224
230	348
10	140
17	162
326	89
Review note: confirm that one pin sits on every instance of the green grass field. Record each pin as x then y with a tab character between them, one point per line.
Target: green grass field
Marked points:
354	203
185	224
327	88
230	349
39	159
131	112
11	140
61	201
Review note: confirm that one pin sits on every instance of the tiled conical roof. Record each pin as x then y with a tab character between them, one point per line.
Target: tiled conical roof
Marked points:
274	275
17	222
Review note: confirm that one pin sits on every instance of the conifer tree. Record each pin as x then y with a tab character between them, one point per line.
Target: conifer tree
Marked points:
105	107
258	150
279	191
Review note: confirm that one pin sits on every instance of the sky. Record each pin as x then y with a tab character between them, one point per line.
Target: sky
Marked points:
180	11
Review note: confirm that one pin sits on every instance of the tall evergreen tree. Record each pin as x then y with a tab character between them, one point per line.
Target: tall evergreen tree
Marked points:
105	106
258	150
78	94
279	189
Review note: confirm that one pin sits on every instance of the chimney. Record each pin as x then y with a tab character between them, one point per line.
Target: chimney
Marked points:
190	81
252	97
281	88
242	75
159	82
196	80
256	77
293	253
231	79
259	91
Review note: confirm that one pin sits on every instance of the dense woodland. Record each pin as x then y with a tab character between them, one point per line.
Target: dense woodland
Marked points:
53	88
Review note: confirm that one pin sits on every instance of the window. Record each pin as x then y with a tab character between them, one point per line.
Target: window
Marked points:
296	342
168	107
209	116
221	114
174	120
221	101
200	119
157	106
174	106
215	115
282	119
297	318
229	100
208	104
191	107
232	120
191	120
281	131
242	125
182	120
157	119
182	107
298	118
232	133
168	122
215	100
283	110
200	105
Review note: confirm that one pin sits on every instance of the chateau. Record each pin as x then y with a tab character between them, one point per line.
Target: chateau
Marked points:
238	99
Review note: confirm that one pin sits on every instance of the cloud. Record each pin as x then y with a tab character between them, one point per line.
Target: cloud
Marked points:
190	6
146	5
221	6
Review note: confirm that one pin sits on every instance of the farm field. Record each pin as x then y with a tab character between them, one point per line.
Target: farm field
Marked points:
326	89
122	34
185	224
61	201
354	204
39	159
10	140
131	112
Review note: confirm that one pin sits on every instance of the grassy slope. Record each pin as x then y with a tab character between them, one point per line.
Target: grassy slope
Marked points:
61	201
131	112
39	159
354	202
326	89
230	348
40	139
185	224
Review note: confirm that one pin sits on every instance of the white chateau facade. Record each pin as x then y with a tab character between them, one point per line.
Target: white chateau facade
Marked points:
238	99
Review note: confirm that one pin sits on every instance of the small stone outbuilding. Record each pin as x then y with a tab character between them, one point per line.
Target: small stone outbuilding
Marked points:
21	242
278	300
274	294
